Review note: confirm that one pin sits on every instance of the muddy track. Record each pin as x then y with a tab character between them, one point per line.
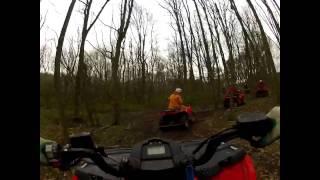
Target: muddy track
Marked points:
151	127
144	125
209	122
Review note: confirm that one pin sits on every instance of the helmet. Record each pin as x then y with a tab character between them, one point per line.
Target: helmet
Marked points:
178	90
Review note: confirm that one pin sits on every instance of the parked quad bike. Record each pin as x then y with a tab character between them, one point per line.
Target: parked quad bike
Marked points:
156	158
174	118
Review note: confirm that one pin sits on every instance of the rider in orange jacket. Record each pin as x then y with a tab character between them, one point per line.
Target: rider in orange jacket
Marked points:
175	100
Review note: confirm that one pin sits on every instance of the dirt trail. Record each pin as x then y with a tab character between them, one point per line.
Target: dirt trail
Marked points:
144	125
267	160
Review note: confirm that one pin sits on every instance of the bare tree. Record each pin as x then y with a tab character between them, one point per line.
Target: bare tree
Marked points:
207	58
222	16
267	52
81	66
174	8
57	62
269	22
189	48
68	62
213	49
43	20
213	17
276	5
211	46
69	58
247	39
275	22
198	51
125	16
43	50
142	21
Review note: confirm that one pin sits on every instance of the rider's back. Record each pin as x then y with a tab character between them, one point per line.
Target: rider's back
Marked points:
175	101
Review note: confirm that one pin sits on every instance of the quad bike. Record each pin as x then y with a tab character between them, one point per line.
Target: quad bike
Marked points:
174	118
156	158
262	92
234	100
246	89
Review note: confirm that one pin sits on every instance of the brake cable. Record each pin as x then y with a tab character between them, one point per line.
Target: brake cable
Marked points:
210	138
213	144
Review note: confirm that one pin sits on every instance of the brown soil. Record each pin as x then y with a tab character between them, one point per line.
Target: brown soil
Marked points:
145	125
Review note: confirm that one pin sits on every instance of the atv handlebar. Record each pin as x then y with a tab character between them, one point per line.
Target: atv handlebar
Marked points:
246	128
69	157
212	144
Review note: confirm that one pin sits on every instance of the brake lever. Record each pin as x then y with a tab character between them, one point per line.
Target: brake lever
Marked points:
210	139
214	142
71	156
101	151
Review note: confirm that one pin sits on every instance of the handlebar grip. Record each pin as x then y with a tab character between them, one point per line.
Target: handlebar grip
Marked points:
78	153
213	144
66	158
103	165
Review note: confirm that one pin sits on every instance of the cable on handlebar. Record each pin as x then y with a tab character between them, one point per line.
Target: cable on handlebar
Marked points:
78	153
206	140
213	144
105	166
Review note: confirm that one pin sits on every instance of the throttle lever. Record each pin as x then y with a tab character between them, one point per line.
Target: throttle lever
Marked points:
101	151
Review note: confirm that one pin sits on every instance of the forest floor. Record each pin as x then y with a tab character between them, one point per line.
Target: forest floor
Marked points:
137	126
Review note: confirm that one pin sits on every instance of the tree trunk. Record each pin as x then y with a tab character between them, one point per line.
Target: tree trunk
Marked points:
80	72
276	4
226	70
225	31
81	65
267	53
272	16
115	92
215	90
57	76
206	46
189	54
183	56
115	82
189	49
247	39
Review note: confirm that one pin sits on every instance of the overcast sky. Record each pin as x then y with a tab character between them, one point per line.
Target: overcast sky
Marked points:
56	10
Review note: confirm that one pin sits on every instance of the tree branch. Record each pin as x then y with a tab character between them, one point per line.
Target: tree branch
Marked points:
43	20
103	52
107	25
98	15
83	2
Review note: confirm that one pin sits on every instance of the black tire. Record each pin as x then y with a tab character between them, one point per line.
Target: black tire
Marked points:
226	104
257	94
186	121
187	124
234	103
163	129
192	118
